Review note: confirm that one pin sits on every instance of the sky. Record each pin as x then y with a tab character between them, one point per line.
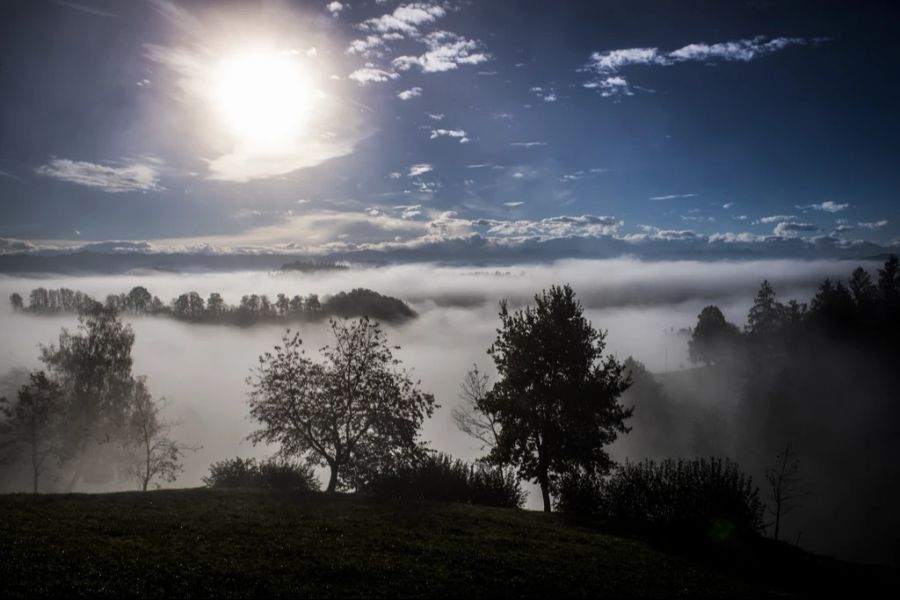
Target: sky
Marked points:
450	128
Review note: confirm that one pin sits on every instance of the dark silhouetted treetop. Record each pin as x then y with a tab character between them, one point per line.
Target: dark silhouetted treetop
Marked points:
712	336
556	400
355	411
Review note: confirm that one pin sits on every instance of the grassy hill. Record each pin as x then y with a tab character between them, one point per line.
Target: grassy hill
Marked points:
244	543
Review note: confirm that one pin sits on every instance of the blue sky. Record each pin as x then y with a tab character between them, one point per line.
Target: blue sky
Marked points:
593	126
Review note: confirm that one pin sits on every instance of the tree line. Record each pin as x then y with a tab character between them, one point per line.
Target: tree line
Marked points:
192	307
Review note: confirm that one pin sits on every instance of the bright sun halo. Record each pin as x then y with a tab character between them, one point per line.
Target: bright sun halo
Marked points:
263	97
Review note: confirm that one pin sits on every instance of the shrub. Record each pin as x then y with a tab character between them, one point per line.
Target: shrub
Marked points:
268	474
688	500
440	477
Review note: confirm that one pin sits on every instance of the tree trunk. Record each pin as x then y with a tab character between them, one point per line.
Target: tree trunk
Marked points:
332	480
777	521
76	476
544	480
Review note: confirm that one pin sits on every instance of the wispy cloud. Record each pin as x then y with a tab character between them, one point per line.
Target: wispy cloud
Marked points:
133	177
527	144
775	219
606	66
672	196
370	73
85	8
827	206
451	133
419	169
873	225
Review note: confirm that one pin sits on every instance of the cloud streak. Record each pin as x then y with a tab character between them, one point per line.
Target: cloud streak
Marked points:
605	67
141	176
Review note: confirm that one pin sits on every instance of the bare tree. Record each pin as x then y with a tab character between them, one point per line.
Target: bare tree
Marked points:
468	415
784	486
154	455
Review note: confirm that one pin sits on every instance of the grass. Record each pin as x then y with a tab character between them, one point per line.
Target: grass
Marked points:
240	543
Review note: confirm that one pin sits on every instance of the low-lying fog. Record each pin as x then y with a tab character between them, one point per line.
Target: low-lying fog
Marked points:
202	368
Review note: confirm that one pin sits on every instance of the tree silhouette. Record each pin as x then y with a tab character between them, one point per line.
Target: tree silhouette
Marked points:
31	424
784	483
556	399
468	417
354	412
711	337
93	368
153	453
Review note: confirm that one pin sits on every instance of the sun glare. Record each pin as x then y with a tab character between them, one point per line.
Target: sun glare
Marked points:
263	97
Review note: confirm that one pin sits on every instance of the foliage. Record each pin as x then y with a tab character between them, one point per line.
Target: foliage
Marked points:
93	368
355	412
689	500
272	474
30	426
438	476
711	337
556	402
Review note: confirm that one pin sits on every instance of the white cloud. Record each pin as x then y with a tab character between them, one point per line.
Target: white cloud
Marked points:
446	51
452	133
775	219
412	92
405	19
791	229
873	225
371	73
137	176
435	116
528	144
672	196
606	66
513	204
419	169
335	8
827	206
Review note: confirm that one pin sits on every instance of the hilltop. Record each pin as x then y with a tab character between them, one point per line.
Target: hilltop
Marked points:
248	543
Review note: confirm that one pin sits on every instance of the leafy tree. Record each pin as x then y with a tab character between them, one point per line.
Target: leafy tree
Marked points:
468	417
556	401
215	305
713	336
189	305
355	412
152	452
93	368
312	304
282	304
30	425
15	301
139	300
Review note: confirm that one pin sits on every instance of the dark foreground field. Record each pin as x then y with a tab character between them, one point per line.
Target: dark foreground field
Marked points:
243	543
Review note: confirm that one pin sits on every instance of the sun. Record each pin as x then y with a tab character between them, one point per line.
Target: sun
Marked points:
263	97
